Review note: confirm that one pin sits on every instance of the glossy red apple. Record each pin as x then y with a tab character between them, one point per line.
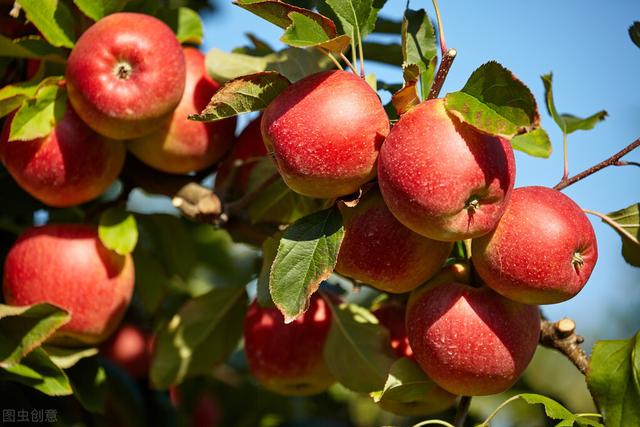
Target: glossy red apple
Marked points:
130	348
288	358
126	75
71	165
325	132
380	251
182	145
441	177
67	265
391	315
543	250
470	341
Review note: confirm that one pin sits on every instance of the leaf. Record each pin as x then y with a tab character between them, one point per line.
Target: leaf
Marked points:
307	32
419	46
243	95
200	336
357	351
152	279
53	19
23	329
98	9
118	230
407	97
36	370
385	53
269	251
89	383
614	380
12	96
629	220
556	411
65	358
494	101
634	33
38	116
30	47
535	143
307	255
354	16
568	123
185	22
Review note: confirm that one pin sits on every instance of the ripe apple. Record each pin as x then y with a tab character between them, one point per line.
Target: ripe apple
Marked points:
391	315
441	177
543	250
126	75
470	341
288	358
67	265
130	348
325	132
380	251
182	145
71	165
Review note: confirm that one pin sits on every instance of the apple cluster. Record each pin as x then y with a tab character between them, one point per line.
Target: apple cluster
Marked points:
472	322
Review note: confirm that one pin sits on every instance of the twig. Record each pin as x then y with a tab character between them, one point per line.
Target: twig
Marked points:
199	203
561	336
332	58
441	75
443	44
565	174
611	161
463	410
349	64
613	224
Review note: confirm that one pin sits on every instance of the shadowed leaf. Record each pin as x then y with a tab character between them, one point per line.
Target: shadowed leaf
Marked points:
629	220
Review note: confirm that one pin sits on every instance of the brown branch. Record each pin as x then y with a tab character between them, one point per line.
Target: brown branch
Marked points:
611	161
441	75
561	336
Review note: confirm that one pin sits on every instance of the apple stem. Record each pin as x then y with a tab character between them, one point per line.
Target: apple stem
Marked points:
361	52
441	74
349	64
332	58
565	175
463	410
443	44
613	224
611	161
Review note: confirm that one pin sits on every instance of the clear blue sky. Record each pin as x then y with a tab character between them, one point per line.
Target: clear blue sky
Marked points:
595	65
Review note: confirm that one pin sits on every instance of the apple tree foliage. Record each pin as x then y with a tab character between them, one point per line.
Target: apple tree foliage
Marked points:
194	279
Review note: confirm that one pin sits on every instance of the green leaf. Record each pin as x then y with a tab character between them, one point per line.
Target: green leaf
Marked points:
36	370
269	251
357	17
307	255
568	123
12	96
277	12
185	22
65	358
494	101
384	53
89	383
152	279
556	411
614	380
53	19
118	230
243	95
629	220
38	116
419	46
357	350
535	143
634	33
200	336
23	329
387	26
30	47
307	32
98	9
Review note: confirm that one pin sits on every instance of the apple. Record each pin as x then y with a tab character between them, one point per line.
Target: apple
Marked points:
130	348
442	178
126	75
66	265
325	132
71	165
543	250
207	411
380	251
288	358
391	315
181	145
470	340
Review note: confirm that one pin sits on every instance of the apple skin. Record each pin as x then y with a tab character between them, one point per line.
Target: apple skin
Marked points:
66	265
529	257
126	75
470	341
325	132
71	165
182	145
391	315
288	358
130	348
431	168
365	255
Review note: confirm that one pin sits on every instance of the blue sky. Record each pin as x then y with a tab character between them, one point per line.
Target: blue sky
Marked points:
595	65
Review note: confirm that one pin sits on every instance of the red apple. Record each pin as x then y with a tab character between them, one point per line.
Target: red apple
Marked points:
288	358
126	75
67	265
71	165
470	341
130	348
441	177
325	132
543	250
182	145
391	315
380	251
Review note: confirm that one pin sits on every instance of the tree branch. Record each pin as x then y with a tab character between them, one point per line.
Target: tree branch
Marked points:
441	75
561	336
611	161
